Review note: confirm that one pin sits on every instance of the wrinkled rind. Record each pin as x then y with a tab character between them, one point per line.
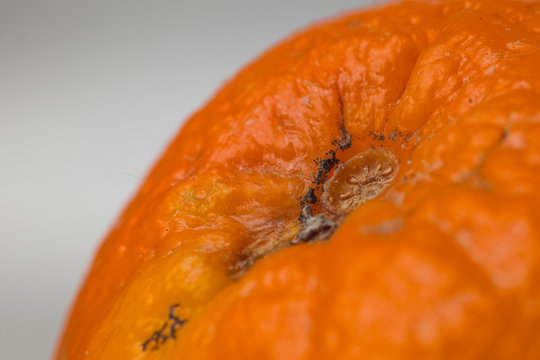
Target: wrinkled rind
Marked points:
443	265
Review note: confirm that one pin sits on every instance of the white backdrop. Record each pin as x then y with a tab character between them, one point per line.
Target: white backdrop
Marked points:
90	94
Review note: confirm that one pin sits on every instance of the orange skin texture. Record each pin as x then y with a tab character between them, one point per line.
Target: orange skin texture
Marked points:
443	264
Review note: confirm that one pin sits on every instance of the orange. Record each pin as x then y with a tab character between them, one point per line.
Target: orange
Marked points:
368	189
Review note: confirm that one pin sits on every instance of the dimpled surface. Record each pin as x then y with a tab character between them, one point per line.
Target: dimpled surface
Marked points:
443	264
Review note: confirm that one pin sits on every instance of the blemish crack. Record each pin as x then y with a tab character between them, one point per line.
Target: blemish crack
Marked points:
314	227
321	227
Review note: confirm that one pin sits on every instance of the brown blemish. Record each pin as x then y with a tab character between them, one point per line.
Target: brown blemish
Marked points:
314	228
361	178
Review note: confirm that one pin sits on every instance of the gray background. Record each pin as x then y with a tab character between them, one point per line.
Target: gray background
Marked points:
90	93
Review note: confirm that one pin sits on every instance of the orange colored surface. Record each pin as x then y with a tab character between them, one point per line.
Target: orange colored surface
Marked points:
443	264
